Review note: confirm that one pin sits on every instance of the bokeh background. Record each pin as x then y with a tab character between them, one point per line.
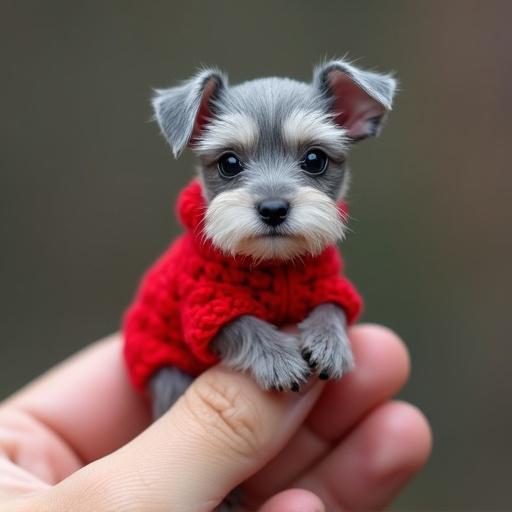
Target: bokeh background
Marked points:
87	187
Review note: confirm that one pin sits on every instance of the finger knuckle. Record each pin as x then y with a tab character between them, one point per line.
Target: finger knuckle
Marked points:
227	414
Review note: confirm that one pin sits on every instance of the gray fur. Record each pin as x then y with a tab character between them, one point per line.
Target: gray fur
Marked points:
272	357
166	386
233	501
325	343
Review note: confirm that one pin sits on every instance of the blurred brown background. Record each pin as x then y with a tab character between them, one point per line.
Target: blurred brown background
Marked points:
87	186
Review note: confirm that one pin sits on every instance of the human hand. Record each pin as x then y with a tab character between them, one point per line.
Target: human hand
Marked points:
68	441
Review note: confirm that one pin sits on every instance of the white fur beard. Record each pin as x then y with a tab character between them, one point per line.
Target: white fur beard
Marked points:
233	225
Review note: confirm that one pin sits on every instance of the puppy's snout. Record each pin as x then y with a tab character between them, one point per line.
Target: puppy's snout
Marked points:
273	211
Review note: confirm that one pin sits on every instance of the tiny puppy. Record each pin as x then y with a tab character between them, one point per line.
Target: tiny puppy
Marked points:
262	221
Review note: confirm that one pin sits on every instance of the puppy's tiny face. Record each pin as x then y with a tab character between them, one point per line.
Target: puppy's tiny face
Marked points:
273	166
273	154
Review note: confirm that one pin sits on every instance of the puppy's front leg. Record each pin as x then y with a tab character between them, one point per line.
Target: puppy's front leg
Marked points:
271	356
325	343
166	386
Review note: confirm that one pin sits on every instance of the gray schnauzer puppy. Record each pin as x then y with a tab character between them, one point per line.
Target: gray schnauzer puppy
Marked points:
273	164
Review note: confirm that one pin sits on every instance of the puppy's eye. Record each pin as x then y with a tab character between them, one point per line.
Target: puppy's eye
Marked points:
314	162
229	165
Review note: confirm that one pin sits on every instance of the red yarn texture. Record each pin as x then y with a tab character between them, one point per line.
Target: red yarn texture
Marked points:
193	290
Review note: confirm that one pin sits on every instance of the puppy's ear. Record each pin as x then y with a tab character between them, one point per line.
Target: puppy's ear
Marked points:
359	99
183	111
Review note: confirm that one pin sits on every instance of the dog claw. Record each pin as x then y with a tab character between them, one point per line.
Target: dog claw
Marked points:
323	375
295	387
306	354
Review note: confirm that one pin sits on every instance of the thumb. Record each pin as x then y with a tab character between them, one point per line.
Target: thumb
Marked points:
223	430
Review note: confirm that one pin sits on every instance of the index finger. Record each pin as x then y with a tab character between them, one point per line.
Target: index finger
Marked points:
87	401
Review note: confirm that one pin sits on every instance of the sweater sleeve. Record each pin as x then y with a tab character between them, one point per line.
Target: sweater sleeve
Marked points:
331	285
342	292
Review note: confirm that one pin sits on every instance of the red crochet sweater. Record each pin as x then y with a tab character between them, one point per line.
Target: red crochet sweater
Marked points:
193	290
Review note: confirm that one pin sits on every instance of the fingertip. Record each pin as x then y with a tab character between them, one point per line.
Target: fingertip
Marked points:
410	435
375	344
294	500
397	442
376	460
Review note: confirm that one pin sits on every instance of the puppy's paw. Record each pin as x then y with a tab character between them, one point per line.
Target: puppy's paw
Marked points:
326	349
280	366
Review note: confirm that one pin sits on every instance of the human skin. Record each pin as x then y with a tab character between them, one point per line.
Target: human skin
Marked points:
80	438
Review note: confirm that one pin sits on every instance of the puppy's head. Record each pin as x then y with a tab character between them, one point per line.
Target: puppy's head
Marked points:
273	153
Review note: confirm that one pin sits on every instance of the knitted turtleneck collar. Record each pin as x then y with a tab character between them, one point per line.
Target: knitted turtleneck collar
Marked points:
191	206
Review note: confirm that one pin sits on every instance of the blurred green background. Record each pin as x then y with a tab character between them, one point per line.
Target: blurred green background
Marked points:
87	187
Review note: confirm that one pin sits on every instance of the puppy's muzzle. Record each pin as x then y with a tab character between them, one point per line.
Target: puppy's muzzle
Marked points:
273	211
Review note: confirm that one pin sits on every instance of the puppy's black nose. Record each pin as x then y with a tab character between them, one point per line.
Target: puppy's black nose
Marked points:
273	211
